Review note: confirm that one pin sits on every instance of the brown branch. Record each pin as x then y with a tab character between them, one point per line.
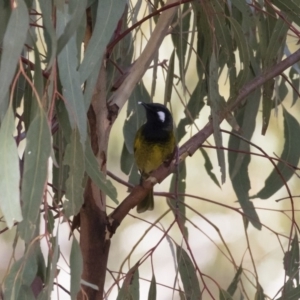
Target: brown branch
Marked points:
138	69
189	148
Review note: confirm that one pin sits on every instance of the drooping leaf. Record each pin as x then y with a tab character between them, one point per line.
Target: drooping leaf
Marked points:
108	15
11	49
221	30
241	183
169	79
290	7
37	152
10	174
259	294
5	12
224	295
21	275
188	275
289	158
292	294
152	289
180	37
127	160
291	260
178	186
70	80
274	52
209	167
60	172
243	51
204	37
49	31
76	266
216	110
246	117
193	108
77	10
135	114
74	158
51	269
92	169
130	288
235	281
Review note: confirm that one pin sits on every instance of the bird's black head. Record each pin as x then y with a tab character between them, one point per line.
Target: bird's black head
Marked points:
158	116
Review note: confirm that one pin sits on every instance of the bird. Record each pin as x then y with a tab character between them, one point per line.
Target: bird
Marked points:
154	144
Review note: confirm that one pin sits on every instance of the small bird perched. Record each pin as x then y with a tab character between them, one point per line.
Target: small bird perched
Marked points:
154	144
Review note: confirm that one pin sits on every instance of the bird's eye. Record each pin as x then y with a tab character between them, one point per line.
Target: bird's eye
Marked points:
161	116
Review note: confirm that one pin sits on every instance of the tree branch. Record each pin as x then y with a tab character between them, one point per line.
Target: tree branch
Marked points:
138	69
189	148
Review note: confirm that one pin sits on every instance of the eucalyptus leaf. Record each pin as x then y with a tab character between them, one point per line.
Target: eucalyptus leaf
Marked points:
130	288
10	174
49	32
11	49
92	169
72	25
152	289
70	80
74	158
20	276
288	158
188	275
76	266
108	14
36	155
216	110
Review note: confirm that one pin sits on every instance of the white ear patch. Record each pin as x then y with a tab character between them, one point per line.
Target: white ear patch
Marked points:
161	116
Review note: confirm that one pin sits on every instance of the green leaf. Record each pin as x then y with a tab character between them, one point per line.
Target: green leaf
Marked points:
188	275
290	155
70	80
10	173
209	167
291	260
49	31
108	15
74	158
243	52
241	183
259	295
234	283
152	289
290	7
5	12
193	108
135	114
169	79
76	266
51	269
216	109
292	294
221	30
273	54
21	275
60	172
12	45
247	118
37	152
224	295
78	10
180	36
92	169
130	287
127	160
179	181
